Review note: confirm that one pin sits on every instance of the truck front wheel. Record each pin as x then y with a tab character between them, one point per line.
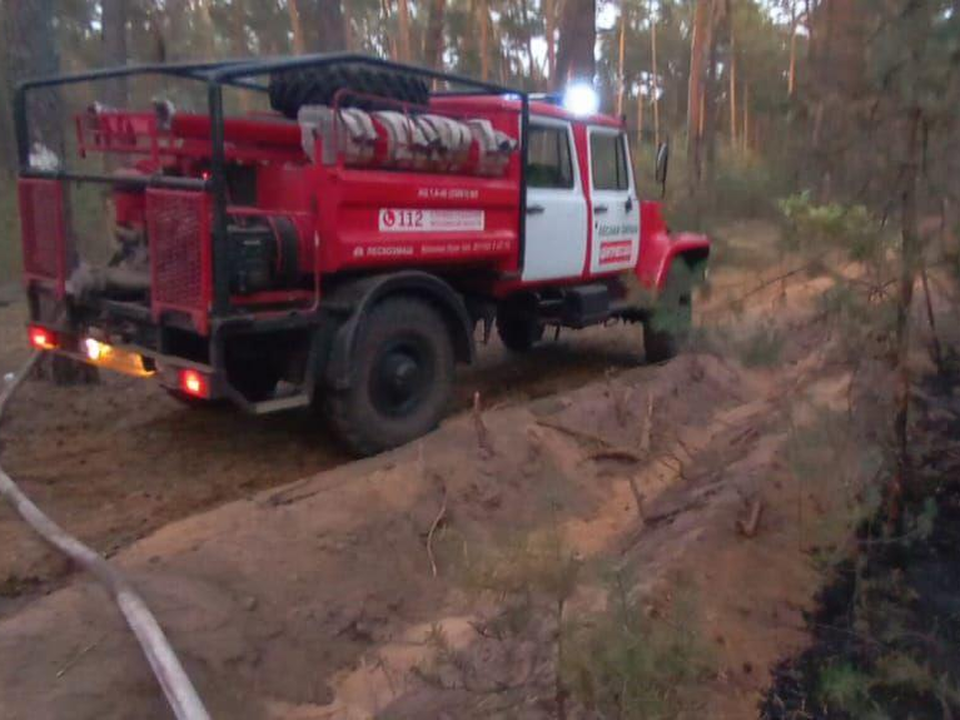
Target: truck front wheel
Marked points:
401	381
669	324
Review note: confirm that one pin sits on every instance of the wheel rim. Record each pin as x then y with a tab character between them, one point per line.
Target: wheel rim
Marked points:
402	373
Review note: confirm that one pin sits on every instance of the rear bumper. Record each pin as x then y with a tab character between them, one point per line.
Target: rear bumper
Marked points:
92	347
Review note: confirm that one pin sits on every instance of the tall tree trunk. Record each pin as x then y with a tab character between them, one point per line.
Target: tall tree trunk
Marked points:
296	27
621	79
656	77
483	20
403	21
578	36
792	71
207	33
710	99
698	48
239	46
733	85
433	40
745	137
639	119
528	41
32	49
176	27
550	28
323	25
115	49
718	21
349	39
910	255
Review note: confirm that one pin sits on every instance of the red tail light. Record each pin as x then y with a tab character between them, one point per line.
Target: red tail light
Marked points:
43	339
194	384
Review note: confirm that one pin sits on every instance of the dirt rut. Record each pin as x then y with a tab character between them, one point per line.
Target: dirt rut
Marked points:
318	599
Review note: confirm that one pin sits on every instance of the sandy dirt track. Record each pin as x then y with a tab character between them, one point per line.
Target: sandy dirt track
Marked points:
316	598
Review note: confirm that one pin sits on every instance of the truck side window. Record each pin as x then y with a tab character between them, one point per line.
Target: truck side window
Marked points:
548	160
608	162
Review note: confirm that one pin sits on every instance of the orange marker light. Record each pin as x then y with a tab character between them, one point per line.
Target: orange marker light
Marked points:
43	339
194	384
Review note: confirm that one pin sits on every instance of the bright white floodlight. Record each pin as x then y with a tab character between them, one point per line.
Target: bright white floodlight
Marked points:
581	99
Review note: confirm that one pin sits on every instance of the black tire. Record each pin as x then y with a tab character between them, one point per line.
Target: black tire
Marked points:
291	89
518	328
668	326
401	382
252	368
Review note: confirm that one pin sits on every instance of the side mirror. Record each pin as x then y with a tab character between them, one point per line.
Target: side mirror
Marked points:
663	166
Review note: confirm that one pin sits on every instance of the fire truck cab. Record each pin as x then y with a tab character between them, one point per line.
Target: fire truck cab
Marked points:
341	250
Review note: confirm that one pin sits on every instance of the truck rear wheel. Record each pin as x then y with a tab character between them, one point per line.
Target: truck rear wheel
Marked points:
669	325
401	382
518	328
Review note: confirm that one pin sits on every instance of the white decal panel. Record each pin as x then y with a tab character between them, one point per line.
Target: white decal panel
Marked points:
406	220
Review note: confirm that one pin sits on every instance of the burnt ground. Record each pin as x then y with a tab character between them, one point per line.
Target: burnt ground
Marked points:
886	633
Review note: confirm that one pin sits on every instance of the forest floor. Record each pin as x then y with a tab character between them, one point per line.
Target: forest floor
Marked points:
605	540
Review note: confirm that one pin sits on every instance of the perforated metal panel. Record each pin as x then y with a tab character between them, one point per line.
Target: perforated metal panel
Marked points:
42	232
178	223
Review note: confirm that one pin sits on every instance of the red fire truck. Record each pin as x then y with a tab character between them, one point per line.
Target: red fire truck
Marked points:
341	249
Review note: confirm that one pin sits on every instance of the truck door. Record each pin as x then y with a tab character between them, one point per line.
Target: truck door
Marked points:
555	241
615	243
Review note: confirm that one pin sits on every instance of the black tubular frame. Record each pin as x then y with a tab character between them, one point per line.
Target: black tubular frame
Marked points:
240	74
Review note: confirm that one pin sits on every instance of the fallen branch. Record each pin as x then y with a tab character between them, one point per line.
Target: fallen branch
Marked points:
749	528
578	434
76	658
433	529
937	350
767	283
647	426
620	454
483	435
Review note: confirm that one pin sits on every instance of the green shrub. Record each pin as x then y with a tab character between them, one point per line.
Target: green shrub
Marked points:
808	224
629	663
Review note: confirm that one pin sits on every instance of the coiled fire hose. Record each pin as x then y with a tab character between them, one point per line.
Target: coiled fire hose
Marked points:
179	691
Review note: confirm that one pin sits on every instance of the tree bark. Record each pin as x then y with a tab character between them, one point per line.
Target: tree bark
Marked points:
238	43
578	36
323	25
206	29
656	78
32	50
733	85
433	40
296	27
403	22
621	79
115	49
792	71
910	253
550	28
698	48
483	20
639	119
718	17
528	41
746	119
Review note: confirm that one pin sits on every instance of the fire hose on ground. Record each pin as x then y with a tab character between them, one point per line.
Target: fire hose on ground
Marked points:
179	691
